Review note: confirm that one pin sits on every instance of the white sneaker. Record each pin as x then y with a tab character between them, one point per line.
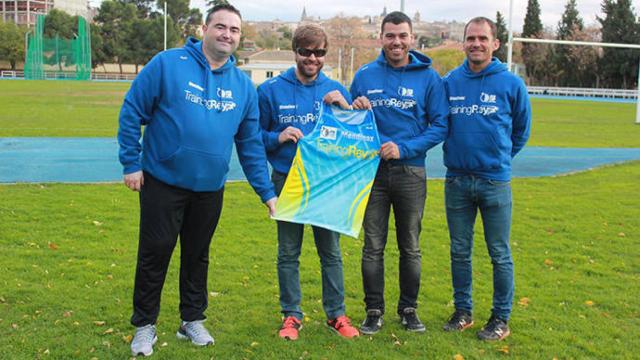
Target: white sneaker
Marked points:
143	340
196	332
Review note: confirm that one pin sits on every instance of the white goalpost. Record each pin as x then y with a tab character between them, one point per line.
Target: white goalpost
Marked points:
567	42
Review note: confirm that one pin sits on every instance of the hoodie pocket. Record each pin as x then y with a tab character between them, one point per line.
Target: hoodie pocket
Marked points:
472	151
195	169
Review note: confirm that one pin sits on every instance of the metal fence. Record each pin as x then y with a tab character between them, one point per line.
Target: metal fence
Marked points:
50	75
583	92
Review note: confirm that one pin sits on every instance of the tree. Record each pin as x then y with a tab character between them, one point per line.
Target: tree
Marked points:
532	29
570	24
192	24
98	56
116	20
502	35
346	33
570	21
619	67
11	43
144	7
59	23
213	3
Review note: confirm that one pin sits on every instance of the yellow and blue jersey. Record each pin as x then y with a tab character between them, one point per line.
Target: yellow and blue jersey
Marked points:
332	172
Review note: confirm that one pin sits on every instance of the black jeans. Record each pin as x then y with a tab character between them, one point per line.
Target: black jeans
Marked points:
405	189
165	212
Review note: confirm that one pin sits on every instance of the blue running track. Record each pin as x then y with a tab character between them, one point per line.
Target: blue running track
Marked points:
87	160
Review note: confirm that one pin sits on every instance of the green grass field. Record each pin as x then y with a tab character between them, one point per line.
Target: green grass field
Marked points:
69	252
89	109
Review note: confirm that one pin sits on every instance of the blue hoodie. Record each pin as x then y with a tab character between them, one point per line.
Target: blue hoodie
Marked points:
285	101
409	104
490	121
192	116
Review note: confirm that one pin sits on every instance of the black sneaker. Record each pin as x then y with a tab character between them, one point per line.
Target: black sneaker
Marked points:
459	321
372	323
495	329
410	320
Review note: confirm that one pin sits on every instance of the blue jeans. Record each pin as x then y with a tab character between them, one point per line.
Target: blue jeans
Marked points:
405	189
464	195
289	246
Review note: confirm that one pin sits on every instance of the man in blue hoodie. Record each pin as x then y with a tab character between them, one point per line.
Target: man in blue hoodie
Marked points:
195	104
410	106
489	125
289	107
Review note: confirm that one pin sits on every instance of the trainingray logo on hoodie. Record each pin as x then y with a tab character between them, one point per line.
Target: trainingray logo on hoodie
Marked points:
470	110
220	105
298	118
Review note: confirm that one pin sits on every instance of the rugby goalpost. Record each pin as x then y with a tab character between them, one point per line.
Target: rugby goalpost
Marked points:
567	42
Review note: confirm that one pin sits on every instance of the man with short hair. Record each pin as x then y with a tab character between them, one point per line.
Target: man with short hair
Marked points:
489	124
194	104
409	103
289	108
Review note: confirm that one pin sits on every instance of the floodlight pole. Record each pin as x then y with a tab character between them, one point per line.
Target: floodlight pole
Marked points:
510	42
165	25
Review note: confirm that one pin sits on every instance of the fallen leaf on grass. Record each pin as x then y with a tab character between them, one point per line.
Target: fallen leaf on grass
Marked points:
548	262
108	331
254	344
504	349
458	357
67	313
621	234
99	323
127	339
2	300
97	223
53	246
14	326
164	344
589	303
524	302
46	352
214	293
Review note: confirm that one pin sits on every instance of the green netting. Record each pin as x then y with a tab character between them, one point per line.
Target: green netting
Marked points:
58	58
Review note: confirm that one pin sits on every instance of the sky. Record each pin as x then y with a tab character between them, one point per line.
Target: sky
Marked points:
430	10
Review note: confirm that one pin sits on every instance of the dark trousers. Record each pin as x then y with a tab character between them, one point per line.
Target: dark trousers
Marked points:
405	189
165	212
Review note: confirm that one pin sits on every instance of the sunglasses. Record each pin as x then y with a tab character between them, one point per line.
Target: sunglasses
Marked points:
307	52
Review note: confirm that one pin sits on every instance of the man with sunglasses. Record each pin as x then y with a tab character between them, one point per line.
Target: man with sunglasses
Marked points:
289	107
409	103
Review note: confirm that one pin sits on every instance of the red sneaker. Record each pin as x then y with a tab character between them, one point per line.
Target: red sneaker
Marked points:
342	326
290	327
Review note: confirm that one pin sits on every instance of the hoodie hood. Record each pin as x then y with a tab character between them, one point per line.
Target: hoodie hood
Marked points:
494	67
194	47
417	60
290	77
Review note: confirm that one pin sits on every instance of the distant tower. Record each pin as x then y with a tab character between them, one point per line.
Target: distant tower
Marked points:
303	17
416	17
384	12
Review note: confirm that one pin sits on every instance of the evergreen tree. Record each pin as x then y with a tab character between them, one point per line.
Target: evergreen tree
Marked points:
532	29
502	34
532	25
571	21
619	67
568	28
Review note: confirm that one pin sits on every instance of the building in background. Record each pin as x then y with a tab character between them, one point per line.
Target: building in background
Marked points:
25	12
